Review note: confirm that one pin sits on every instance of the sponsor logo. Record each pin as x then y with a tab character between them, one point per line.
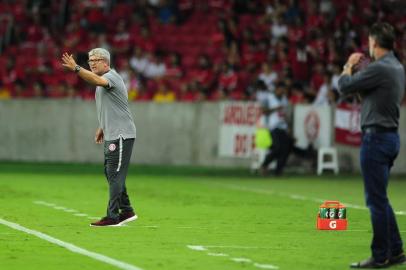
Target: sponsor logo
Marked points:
112	147
312	126
333	224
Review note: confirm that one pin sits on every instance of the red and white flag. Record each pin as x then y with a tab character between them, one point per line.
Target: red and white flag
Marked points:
347	124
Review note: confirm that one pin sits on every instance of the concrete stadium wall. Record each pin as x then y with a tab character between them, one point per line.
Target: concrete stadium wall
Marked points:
63	131
178	134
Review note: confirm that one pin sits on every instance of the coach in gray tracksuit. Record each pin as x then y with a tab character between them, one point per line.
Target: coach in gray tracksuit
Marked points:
116	129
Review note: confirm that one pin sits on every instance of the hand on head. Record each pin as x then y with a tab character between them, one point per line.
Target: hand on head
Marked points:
358	62
355	58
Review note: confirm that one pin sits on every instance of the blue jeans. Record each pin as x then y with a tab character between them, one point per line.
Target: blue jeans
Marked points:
378	152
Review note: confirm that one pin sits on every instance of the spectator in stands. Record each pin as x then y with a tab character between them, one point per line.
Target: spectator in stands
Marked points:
163	93
279	28
304	32
317	45
190	92
269	8
316	80
166	12
229	31
71	92
121	39
257	91
300	61
143	94
156	67
296	94
125	72
204	74
4	92
133	85
174	67
102	42
35	31
145	40
228	80
58	91
268	76
95	17
292	11
76	37
38	91
154	4
248	55
13	73
281	60
324	94
233	55
139	60
19	89
87	94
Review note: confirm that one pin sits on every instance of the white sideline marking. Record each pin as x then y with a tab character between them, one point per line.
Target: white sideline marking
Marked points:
65	209
295	196
266	266
75	212
80	215
365	231
45	203
198	248
217	254
236	247
141	226
237	260
241	260
70	210
59	208
191	227
71	247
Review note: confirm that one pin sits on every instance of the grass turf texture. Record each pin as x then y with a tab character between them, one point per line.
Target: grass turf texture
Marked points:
227	211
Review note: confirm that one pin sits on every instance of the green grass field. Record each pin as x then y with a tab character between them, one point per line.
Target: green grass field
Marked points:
189	218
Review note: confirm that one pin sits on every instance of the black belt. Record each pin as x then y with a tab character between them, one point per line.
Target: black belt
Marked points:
378	129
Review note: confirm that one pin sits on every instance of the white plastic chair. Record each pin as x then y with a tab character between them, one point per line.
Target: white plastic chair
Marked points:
331	162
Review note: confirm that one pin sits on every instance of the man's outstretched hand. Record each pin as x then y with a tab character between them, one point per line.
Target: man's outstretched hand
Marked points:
68	61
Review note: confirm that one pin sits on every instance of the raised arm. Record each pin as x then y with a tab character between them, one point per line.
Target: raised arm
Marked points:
362	81
69	62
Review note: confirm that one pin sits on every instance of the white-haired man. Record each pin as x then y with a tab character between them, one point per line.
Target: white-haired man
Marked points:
116	130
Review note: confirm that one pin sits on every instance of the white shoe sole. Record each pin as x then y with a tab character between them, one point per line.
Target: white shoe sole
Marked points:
113	225
128	220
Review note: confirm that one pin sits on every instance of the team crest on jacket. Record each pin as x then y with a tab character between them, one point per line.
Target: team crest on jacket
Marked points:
112	147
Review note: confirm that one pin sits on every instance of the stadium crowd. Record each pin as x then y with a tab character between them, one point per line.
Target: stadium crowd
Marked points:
189	50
